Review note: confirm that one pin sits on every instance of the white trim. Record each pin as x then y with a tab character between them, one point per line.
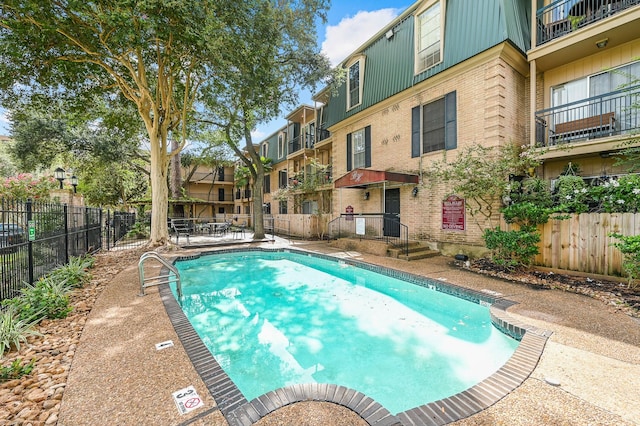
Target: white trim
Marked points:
360	59
426	6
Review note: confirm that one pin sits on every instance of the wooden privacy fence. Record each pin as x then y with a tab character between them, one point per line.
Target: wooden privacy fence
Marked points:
582	242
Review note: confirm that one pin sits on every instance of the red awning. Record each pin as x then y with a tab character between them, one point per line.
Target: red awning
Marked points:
361	178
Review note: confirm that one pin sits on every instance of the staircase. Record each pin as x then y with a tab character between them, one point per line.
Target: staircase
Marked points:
416	251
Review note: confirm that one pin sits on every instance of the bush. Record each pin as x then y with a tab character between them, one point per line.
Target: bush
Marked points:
512	249
75	273
16	370
629	245
14	330
47	298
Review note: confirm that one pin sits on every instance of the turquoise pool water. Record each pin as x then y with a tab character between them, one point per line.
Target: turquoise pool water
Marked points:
273	319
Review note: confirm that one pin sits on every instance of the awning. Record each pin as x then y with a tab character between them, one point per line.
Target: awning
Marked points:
362	178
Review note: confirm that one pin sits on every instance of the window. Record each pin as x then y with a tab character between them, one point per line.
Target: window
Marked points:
264	150
598	94
433	126
282	207
359	149
221	194
267	184
282	141
428	37
282	179
355	75
221	174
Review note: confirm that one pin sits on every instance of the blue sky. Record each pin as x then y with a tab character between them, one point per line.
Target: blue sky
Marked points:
350	24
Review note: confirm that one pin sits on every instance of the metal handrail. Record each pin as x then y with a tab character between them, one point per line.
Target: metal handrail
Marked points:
160	279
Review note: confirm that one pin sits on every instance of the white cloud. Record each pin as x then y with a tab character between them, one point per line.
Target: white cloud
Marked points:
350	33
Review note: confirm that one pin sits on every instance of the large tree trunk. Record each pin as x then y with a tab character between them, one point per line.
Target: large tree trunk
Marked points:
176	172
258	186
159	192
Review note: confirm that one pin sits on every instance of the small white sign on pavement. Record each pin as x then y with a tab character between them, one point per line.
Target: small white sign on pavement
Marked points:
164	345
187	400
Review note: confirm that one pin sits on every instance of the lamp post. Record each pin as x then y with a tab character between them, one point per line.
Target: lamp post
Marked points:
59	174
74	183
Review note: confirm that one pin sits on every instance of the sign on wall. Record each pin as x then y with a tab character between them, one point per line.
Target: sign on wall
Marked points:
453	214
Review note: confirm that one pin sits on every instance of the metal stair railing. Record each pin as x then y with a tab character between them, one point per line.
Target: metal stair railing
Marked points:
160	279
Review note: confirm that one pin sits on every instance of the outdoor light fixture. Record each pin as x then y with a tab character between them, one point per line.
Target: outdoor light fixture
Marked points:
74	183
389	34
414	191
59	174
602	43
365	196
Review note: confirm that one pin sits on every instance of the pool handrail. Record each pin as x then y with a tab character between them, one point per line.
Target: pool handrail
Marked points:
160	279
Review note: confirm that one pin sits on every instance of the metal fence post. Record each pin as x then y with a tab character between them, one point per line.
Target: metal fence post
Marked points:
65	209
86	230
30	243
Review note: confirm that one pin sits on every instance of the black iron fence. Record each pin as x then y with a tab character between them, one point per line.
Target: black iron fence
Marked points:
38	236
371	226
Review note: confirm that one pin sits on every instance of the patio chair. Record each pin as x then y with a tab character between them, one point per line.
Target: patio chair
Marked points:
238	231
181	227
222	229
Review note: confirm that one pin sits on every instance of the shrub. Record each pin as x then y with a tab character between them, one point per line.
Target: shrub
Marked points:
629	245
75	273
572	194
16	370
47	298
512	249
14	330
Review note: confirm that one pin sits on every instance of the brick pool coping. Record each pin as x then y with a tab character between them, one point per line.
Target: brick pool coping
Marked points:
240	412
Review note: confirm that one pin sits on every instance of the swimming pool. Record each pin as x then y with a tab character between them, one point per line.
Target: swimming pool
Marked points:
259	313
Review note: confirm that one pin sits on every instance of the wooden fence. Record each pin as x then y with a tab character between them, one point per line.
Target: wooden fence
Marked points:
582	243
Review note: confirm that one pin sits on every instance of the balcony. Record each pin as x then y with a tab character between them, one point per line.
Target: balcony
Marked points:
611	114
311	181
565	16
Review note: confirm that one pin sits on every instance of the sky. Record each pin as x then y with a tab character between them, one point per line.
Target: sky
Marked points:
350	24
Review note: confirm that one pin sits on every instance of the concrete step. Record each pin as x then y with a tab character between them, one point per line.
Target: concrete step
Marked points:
415	249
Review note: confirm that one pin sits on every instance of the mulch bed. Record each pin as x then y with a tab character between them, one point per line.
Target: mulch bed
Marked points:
613	293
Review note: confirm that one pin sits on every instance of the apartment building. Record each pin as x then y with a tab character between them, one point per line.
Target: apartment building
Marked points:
585	57
209	192
447	74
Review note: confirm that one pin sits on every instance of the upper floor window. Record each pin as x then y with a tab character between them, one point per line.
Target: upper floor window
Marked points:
264	150
433	126
359	149
355	75
429	37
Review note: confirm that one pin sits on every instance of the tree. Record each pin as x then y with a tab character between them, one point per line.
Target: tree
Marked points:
267	64
169	58
154	54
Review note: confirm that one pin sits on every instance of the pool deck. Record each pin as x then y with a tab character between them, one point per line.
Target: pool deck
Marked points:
589	372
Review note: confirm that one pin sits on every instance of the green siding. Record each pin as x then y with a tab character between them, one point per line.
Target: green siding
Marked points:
471	27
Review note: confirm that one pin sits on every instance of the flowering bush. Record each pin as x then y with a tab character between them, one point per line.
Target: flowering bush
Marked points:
619	196
24	185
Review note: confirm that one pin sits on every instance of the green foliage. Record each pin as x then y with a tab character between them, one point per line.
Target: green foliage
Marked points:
572	194
75	273
14	329
629	245
25	185
512	249
527	214
139	231
47	298
16	370
480	174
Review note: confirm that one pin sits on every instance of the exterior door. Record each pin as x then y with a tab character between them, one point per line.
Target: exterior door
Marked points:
391	213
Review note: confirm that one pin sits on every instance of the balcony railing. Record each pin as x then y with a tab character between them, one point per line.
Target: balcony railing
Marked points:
614	113
565	16
311	180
